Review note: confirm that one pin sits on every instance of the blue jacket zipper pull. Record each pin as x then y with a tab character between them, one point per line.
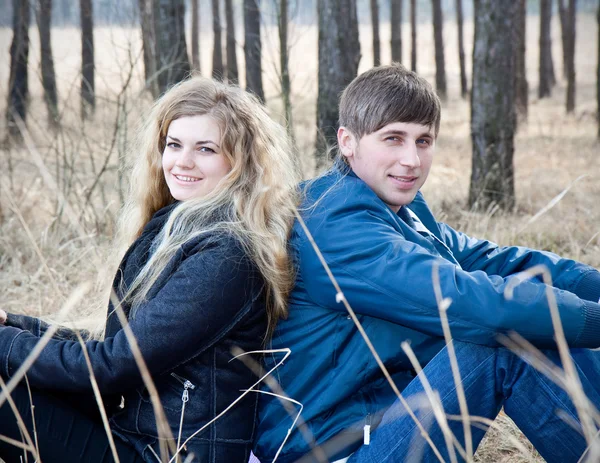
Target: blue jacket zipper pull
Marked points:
186	395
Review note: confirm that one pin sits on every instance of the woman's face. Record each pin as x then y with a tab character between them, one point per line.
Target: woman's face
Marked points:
193	160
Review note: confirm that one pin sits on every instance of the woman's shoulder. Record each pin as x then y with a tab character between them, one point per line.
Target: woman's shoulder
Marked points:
224	243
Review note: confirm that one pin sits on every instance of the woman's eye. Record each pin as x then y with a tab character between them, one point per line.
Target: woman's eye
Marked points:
206	149
173	145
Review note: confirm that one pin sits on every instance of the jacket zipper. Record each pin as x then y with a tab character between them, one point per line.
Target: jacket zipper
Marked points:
185	397
186	383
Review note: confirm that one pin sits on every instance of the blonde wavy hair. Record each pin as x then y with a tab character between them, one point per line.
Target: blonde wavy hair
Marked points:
255	202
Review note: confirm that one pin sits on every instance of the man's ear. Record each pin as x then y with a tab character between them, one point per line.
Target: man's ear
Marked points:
346	142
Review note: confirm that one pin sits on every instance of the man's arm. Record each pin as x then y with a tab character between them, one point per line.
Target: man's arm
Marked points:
474	254
384	275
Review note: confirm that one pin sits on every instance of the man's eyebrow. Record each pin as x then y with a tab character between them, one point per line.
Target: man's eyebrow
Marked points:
403	133
199	142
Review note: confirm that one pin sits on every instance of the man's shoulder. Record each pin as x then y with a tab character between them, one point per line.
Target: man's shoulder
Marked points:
335	190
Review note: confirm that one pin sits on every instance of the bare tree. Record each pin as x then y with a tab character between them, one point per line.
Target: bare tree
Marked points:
232	68
339	55
571	15
461	49
18	89
396	29
44	16
413	35
438	39
194	37
88	98
286	87
217	70
564	35
521	85
545	80
173	64
493	104
149	43
253	49
375	26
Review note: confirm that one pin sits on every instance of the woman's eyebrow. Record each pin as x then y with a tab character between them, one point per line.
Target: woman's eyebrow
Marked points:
199	142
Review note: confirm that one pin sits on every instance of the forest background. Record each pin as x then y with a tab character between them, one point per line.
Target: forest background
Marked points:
63	179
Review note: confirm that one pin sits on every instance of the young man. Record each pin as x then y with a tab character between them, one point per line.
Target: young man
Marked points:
385	249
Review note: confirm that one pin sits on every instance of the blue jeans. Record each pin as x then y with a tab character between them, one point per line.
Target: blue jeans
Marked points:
492	378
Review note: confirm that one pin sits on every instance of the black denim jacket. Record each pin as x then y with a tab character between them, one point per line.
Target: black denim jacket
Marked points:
209	298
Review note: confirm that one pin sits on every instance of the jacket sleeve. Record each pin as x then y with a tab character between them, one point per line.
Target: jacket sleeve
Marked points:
38	327
473	254
201	301
384	275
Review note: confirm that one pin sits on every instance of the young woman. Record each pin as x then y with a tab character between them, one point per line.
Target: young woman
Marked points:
206	270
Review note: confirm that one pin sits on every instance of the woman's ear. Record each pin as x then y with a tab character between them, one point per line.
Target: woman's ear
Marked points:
346	142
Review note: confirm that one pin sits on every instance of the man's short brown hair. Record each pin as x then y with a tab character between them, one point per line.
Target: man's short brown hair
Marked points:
387	94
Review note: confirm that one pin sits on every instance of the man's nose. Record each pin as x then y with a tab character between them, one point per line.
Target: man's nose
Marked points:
409	156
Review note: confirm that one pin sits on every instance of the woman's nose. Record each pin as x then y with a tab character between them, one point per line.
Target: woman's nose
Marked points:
185	159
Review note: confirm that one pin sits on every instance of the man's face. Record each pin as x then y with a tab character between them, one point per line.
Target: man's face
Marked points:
394	161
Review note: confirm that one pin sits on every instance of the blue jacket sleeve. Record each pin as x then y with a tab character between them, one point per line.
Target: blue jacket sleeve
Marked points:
387	276
207	295
38	327
473	254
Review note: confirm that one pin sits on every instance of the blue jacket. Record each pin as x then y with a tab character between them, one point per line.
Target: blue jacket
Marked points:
209	298
384	265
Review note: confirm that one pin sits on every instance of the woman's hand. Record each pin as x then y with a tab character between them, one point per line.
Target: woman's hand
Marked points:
2	317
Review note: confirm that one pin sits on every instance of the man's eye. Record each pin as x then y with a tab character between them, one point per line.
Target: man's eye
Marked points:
392	139
423	142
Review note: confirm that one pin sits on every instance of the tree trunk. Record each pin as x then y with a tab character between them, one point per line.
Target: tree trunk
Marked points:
149	44
545	79
44	16
253	49
171	51
413	35
232	68
18	90
375	26
88	99
521	86
194	37
598	73
217	70
571	16
464	90
564	35
339	55
492	105
438	39
286	88
396	30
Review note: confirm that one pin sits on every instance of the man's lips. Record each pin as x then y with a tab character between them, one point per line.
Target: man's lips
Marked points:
404	182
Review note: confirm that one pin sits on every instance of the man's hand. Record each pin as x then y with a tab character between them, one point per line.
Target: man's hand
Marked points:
2	317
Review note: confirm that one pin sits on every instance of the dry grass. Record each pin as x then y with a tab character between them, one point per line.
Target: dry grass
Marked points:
552	151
